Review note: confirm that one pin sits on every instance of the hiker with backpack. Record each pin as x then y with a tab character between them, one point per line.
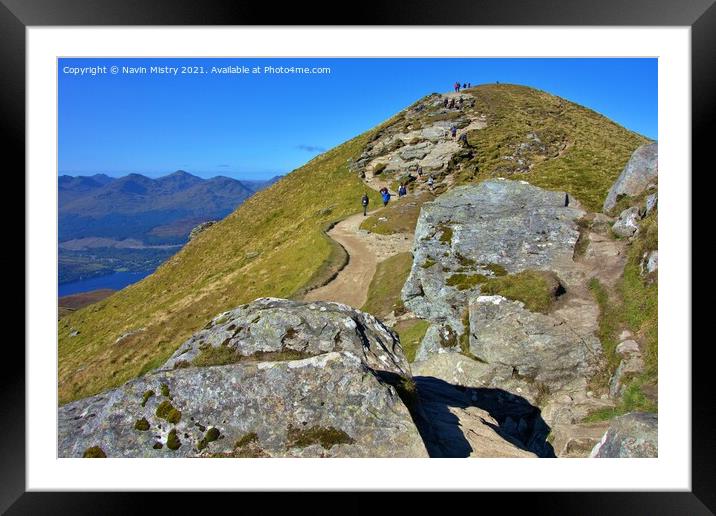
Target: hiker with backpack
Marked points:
430	183
402	190
364	201
453	131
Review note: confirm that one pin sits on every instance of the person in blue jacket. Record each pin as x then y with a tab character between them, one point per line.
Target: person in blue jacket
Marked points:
386	196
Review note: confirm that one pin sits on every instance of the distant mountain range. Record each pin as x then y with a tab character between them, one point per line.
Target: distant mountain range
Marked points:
134	223
155	211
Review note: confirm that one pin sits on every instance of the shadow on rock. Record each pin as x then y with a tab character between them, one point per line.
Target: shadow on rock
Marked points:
512	417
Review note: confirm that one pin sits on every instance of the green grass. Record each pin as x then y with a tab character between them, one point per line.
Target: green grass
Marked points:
538	290
583	152
633	400
401	215
272	245
633	306
411	335
465	281
384	290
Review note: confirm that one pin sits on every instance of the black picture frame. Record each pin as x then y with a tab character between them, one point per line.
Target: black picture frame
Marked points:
700	15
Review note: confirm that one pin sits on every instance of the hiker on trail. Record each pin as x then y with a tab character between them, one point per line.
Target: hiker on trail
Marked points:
457	87
430	182
364	201
464	85
463	138
420	170
453	131
386	197
469	85
402	190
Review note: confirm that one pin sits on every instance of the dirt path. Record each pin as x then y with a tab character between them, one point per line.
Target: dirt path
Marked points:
365	251
351	285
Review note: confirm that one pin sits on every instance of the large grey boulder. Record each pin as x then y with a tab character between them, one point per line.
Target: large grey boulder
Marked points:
292	380
537	347
495	227
633	435
271	328
640	171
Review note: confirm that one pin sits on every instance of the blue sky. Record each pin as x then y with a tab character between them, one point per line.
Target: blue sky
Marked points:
252	126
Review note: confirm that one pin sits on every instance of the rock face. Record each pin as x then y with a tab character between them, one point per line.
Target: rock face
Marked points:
536	347
201	227
633	435
270	328
291	380
421	137
627	225
492	228
640	171
475	422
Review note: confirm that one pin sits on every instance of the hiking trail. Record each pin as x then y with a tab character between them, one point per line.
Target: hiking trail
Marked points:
365	250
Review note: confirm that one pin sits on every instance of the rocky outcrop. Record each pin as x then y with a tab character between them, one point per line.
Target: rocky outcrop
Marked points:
627	225
480	231
271	328
536	347
201	227
633	435
419	137
640	171
273	378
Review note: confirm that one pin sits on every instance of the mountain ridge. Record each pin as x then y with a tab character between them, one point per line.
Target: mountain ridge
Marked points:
274	243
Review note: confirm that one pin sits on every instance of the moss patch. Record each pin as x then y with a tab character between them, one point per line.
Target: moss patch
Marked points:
327	437
538	290
429	262
164	389
465	281
494	268
168	412
94	452
211	435
246	439
146	396
173	442
446	234
141	424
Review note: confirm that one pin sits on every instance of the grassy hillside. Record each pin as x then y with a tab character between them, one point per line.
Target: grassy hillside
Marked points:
273	245
548	141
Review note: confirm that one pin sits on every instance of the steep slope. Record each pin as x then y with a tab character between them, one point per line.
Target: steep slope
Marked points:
274	244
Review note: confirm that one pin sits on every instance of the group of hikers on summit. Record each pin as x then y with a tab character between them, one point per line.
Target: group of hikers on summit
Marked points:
465	85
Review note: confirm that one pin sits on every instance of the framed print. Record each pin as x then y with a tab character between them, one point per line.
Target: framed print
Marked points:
333	257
